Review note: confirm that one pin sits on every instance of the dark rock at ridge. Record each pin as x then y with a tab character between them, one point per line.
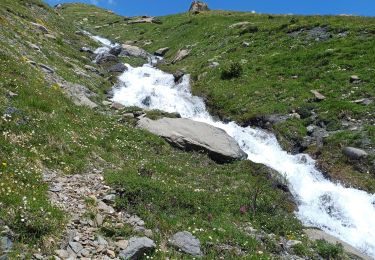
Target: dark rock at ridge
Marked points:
198	6
189	135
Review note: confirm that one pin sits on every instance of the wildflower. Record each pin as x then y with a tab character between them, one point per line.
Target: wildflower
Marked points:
4	164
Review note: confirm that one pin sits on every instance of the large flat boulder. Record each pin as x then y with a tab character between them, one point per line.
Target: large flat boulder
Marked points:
189	135
316	234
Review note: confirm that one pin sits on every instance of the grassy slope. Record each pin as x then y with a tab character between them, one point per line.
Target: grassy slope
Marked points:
268	84
171	190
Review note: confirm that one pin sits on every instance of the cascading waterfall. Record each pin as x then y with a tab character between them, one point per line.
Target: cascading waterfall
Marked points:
346	213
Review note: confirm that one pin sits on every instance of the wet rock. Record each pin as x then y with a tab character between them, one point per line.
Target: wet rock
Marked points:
178	75
40	27
137	247
146	101
181	54
188	135
134	51
266	121
161	52
354	153
118	68
354	79
116	51
318	96
86	49
103	58
187	243
316	234
198	6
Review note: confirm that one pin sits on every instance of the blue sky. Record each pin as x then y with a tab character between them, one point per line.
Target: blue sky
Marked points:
163	7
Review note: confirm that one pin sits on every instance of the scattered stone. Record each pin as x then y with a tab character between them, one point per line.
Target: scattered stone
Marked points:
47	69
86	49
319	34
245	44
63	254
116	51
118	68
6	244
316	234
40	27
354	79
137	248
354	153
85	253
149	233
106	103
37	256
292	243
122	244
117	106
11	110
99	219
187	243
181	54
161	52
198	6
110	198
101	241
364	101
318	96
178	75
55	188
105	208
11	94
134	51
50	36
214	64
33	46
76	247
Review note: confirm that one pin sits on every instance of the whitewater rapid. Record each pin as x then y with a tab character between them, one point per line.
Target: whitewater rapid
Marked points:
346	213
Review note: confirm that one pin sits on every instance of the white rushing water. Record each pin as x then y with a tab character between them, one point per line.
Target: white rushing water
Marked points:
346	213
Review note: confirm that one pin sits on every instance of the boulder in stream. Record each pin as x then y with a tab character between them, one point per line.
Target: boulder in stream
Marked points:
189	135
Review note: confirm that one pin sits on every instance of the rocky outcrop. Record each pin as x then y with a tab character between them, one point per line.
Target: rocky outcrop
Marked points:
198	6
80	95
144	19
137	247
119	68
187	243
188	135
316	234
161	52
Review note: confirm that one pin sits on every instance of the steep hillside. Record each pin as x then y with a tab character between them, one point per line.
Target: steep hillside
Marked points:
309	79
59	141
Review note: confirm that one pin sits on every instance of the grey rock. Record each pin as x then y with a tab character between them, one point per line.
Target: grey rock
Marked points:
316	234
116	50
354	153
134	51
99	219
214	64
101	241
63	254
117	106
354	79
33	46
92	69
144	19
47	68
103	58
181	54
187	243
319	34
110	198
245	44
146	101
105	208
137	247
187	134
76	247
119	68
198	6
6	244
364	101
11	110
86	49
55	188
317	95
161	52
80	95
37	256
40	27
